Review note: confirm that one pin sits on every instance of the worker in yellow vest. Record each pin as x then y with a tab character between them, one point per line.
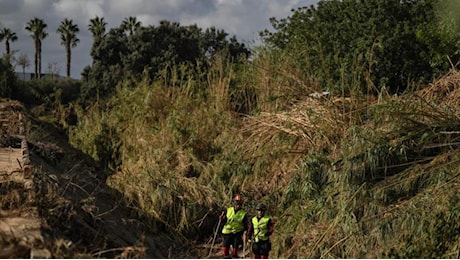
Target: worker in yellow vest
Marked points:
235	227
260	230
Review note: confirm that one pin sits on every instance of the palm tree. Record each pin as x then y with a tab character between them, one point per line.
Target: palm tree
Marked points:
130	24
37	28
8	35
68	31
97	28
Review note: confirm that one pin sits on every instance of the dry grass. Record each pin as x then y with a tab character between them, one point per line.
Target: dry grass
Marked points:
346	177
396	175
444	92
314	123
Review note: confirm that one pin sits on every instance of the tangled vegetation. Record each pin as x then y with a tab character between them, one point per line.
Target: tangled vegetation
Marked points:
358	177
369	169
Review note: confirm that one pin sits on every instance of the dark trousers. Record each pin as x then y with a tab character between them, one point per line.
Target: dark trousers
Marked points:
261	248
233	240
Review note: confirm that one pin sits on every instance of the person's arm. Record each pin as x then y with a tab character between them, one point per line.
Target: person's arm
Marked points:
250	230
271	227
222	215
246	230
246	224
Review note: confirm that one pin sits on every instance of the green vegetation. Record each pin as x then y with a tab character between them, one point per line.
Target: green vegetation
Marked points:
132	50
370	44
8	79
183	121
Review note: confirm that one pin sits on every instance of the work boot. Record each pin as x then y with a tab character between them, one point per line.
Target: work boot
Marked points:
234	253
226	253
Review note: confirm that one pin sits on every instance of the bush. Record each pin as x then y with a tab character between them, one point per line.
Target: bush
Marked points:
47	91
8	79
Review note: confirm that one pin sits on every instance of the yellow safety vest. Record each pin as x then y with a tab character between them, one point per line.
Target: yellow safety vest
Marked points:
234	221
260	228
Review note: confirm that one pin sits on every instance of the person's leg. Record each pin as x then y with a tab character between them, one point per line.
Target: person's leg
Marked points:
256	250
265	247
237	239
226	244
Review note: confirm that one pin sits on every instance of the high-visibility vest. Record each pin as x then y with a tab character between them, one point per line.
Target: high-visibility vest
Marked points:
260	228
234	221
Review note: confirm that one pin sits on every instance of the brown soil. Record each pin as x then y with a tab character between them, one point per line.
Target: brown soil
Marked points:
55	204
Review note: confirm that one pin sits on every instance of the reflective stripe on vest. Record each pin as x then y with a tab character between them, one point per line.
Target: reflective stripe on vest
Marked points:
260	228
234	221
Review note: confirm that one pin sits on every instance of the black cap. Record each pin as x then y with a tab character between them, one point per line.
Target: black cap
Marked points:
260	206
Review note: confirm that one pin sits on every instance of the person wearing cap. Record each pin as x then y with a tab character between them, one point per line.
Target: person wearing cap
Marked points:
261	229
234	228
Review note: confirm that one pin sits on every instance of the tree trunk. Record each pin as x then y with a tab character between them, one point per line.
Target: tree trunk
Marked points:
36	59
68	60
39	59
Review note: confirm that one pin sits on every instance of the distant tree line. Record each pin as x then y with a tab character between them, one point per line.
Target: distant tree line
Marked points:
128	50
133	49
37	28
370	45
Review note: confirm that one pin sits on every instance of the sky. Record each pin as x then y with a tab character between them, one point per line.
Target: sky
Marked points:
242	18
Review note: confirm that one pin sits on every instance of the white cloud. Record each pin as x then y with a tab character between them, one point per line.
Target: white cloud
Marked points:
79	11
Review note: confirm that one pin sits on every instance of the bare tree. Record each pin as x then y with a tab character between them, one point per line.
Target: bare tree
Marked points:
23	61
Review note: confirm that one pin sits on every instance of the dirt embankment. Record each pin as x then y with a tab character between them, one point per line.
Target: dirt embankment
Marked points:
55	204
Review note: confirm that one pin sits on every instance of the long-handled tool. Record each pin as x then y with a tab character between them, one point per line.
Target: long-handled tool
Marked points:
249	246
215	234
244	246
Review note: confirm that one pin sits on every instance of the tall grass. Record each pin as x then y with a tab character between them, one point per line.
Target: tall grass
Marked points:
353	176
166	139
391	191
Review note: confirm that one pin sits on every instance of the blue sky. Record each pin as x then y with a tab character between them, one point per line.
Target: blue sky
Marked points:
243	18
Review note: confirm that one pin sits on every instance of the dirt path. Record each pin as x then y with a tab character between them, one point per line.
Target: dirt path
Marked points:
55	205
19	223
